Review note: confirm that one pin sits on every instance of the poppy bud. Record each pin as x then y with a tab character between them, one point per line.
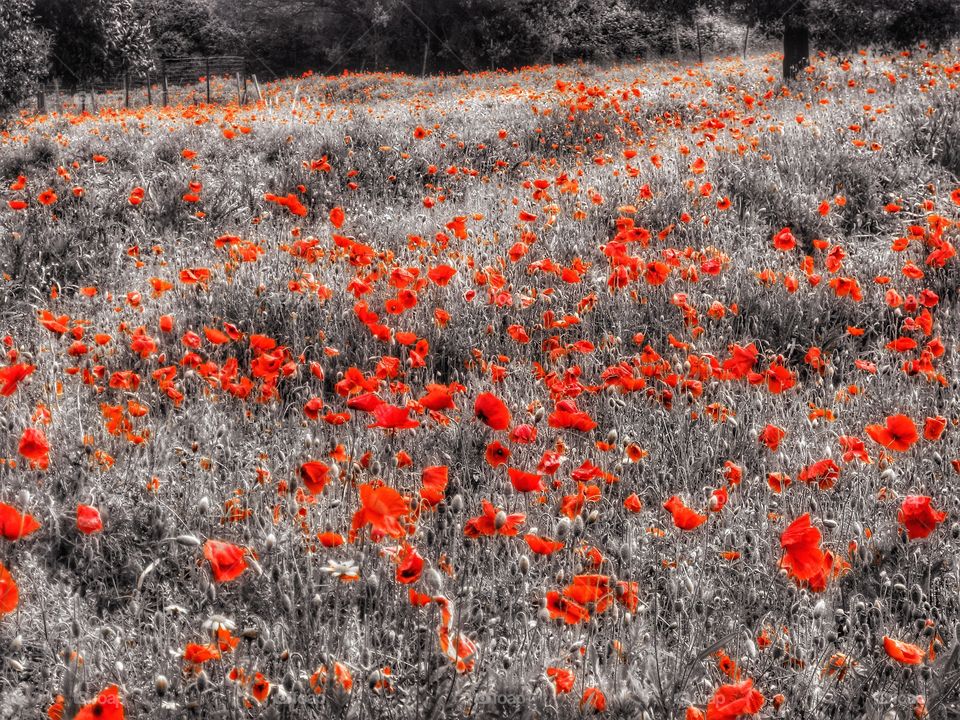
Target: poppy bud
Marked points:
270	542
456	504
204	505
160	683
524	564
500	520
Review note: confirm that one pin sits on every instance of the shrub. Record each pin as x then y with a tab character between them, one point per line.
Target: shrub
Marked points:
23	52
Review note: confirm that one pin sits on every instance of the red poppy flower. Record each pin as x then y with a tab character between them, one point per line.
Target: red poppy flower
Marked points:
898	433
730	702
524	481
803	557
683	517
542	545
391	417
496	454
35	448
918	517
903	652
88	520
563	679
434	484
560	608
314	476
784	240
492	411
107	706
409	566
9	593
933	428
381	507
493	522
15	525
227	561
47	197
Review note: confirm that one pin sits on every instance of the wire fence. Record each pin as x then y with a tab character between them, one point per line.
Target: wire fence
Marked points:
218	79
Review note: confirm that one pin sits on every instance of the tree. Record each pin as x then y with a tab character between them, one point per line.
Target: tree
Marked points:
846	24
23	52
95	39
187	27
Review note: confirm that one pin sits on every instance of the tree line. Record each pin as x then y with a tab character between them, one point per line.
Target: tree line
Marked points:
78	41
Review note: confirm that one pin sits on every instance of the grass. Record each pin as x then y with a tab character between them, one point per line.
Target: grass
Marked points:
184	439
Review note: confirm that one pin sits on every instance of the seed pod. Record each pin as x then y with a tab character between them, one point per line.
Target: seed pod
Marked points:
160	684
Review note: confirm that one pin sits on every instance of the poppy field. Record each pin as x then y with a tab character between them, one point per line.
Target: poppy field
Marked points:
569	391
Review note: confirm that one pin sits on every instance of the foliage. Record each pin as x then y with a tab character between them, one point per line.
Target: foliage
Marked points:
95	39
23	52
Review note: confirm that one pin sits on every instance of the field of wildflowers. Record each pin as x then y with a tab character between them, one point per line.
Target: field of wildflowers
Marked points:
624	391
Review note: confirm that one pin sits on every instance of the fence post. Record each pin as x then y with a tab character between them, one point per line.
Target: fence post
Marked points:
126	90
244	88
41	101
238	90
56	93
149	90
166	91
208	80
257	86
93	97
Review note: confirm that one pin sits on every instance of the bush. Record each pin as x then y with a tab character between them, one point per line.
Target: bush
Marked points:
23	52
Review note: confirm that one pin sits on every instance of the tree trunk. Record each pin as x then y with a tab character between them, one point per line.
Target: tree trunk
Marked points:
426	53
796	41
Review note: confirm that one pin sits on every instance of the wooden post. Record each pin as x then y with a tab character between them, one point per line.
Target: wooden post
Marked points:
257	86
41	101
93	98
126	90
56	93
746	38
426	54
83	102
166	91
149	90
239	100
208	80
244	89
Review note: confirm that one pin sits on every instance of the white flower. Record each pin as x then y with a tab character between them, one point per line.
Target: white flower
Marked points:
345	570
